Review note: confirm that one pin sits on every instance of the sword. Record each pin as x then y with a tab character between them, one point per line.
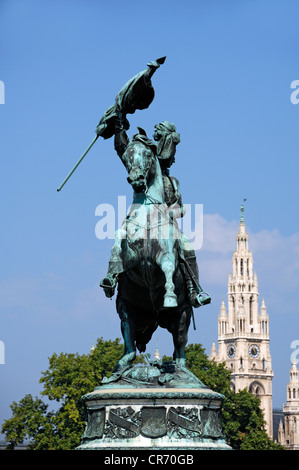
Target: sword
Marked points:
78	162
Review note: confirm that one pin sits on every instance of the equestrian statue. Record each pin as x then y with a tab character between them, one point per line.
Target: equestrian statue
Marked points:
152	264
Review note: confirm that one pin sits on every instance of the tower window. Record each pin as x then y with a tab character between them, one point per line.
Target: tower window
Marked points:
250	310
242	267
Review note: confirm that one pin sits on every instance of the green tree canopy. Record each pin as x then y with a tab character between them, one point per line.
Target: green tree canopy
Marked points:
69	376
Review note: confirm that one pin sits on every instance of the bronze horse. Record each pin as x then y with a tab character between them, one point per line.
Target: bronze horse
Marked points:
151	287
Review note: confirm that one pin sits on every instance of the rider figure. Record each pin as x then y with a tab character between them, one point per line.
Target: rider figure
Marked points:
166	139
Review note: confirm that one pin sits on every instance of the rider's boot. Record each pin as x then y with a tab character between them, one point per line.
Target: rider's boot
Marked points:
109	282
196	299
115	267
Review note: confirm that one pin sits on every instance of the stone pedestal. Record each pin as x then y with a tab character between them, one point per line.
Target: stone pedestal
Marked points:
155	408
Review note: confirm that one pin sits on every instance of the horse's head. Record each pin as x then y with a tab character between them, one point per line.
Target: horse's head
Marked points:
139	159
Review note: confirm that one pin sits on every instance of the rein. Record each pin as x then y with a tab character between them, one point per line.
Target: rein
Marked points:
157	204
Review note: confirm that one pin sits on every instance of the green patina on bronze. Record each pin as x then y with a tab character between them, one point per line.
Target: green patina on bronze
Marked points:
154	268
152	263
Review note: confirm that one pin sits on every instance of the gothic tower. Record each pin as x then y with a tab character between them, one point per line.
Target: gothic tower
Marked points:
243	330
288	435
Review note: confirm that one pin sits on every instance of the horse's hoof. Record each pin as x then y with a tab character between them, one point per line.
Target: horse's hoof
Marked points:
125	362
181	362
170	300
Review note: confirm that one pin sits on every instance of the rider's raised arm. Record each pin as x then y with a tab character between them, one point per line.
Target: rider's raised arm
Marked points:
121	139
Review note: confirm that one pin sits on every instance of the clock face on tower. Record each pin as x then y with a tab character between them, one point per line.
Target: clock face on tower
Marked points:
254	350
231	350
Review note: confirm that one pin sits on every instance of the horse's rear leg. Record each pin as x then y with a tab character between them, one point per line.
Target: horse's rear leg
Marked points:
128	333
167	264
179	330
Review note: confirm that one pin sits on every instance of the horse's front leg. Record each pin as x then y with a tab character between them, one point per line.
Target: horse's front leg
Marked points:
167	263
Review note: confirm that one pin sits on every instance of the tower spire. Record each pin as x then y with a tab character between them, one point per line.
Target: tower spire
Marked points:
243	332
242	211
289	436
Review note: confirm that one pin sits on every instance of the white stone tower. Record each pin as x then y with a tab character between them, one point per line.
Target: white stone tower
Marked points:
288	435
243	331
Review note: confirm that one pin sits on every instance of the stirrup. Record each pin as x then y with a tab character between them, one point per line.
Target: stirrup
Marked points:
203	299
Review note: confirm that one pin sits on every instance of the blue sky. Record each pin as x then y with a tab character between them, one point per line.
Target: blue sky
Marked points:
226	86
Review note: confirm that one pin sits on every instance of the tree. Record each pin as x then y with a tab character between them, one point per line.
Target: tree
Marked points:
244	423
70	376
30	421
213	375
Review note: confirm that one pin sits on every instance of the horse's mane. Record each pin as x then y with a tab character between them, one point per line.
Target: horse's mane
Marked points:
143	138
